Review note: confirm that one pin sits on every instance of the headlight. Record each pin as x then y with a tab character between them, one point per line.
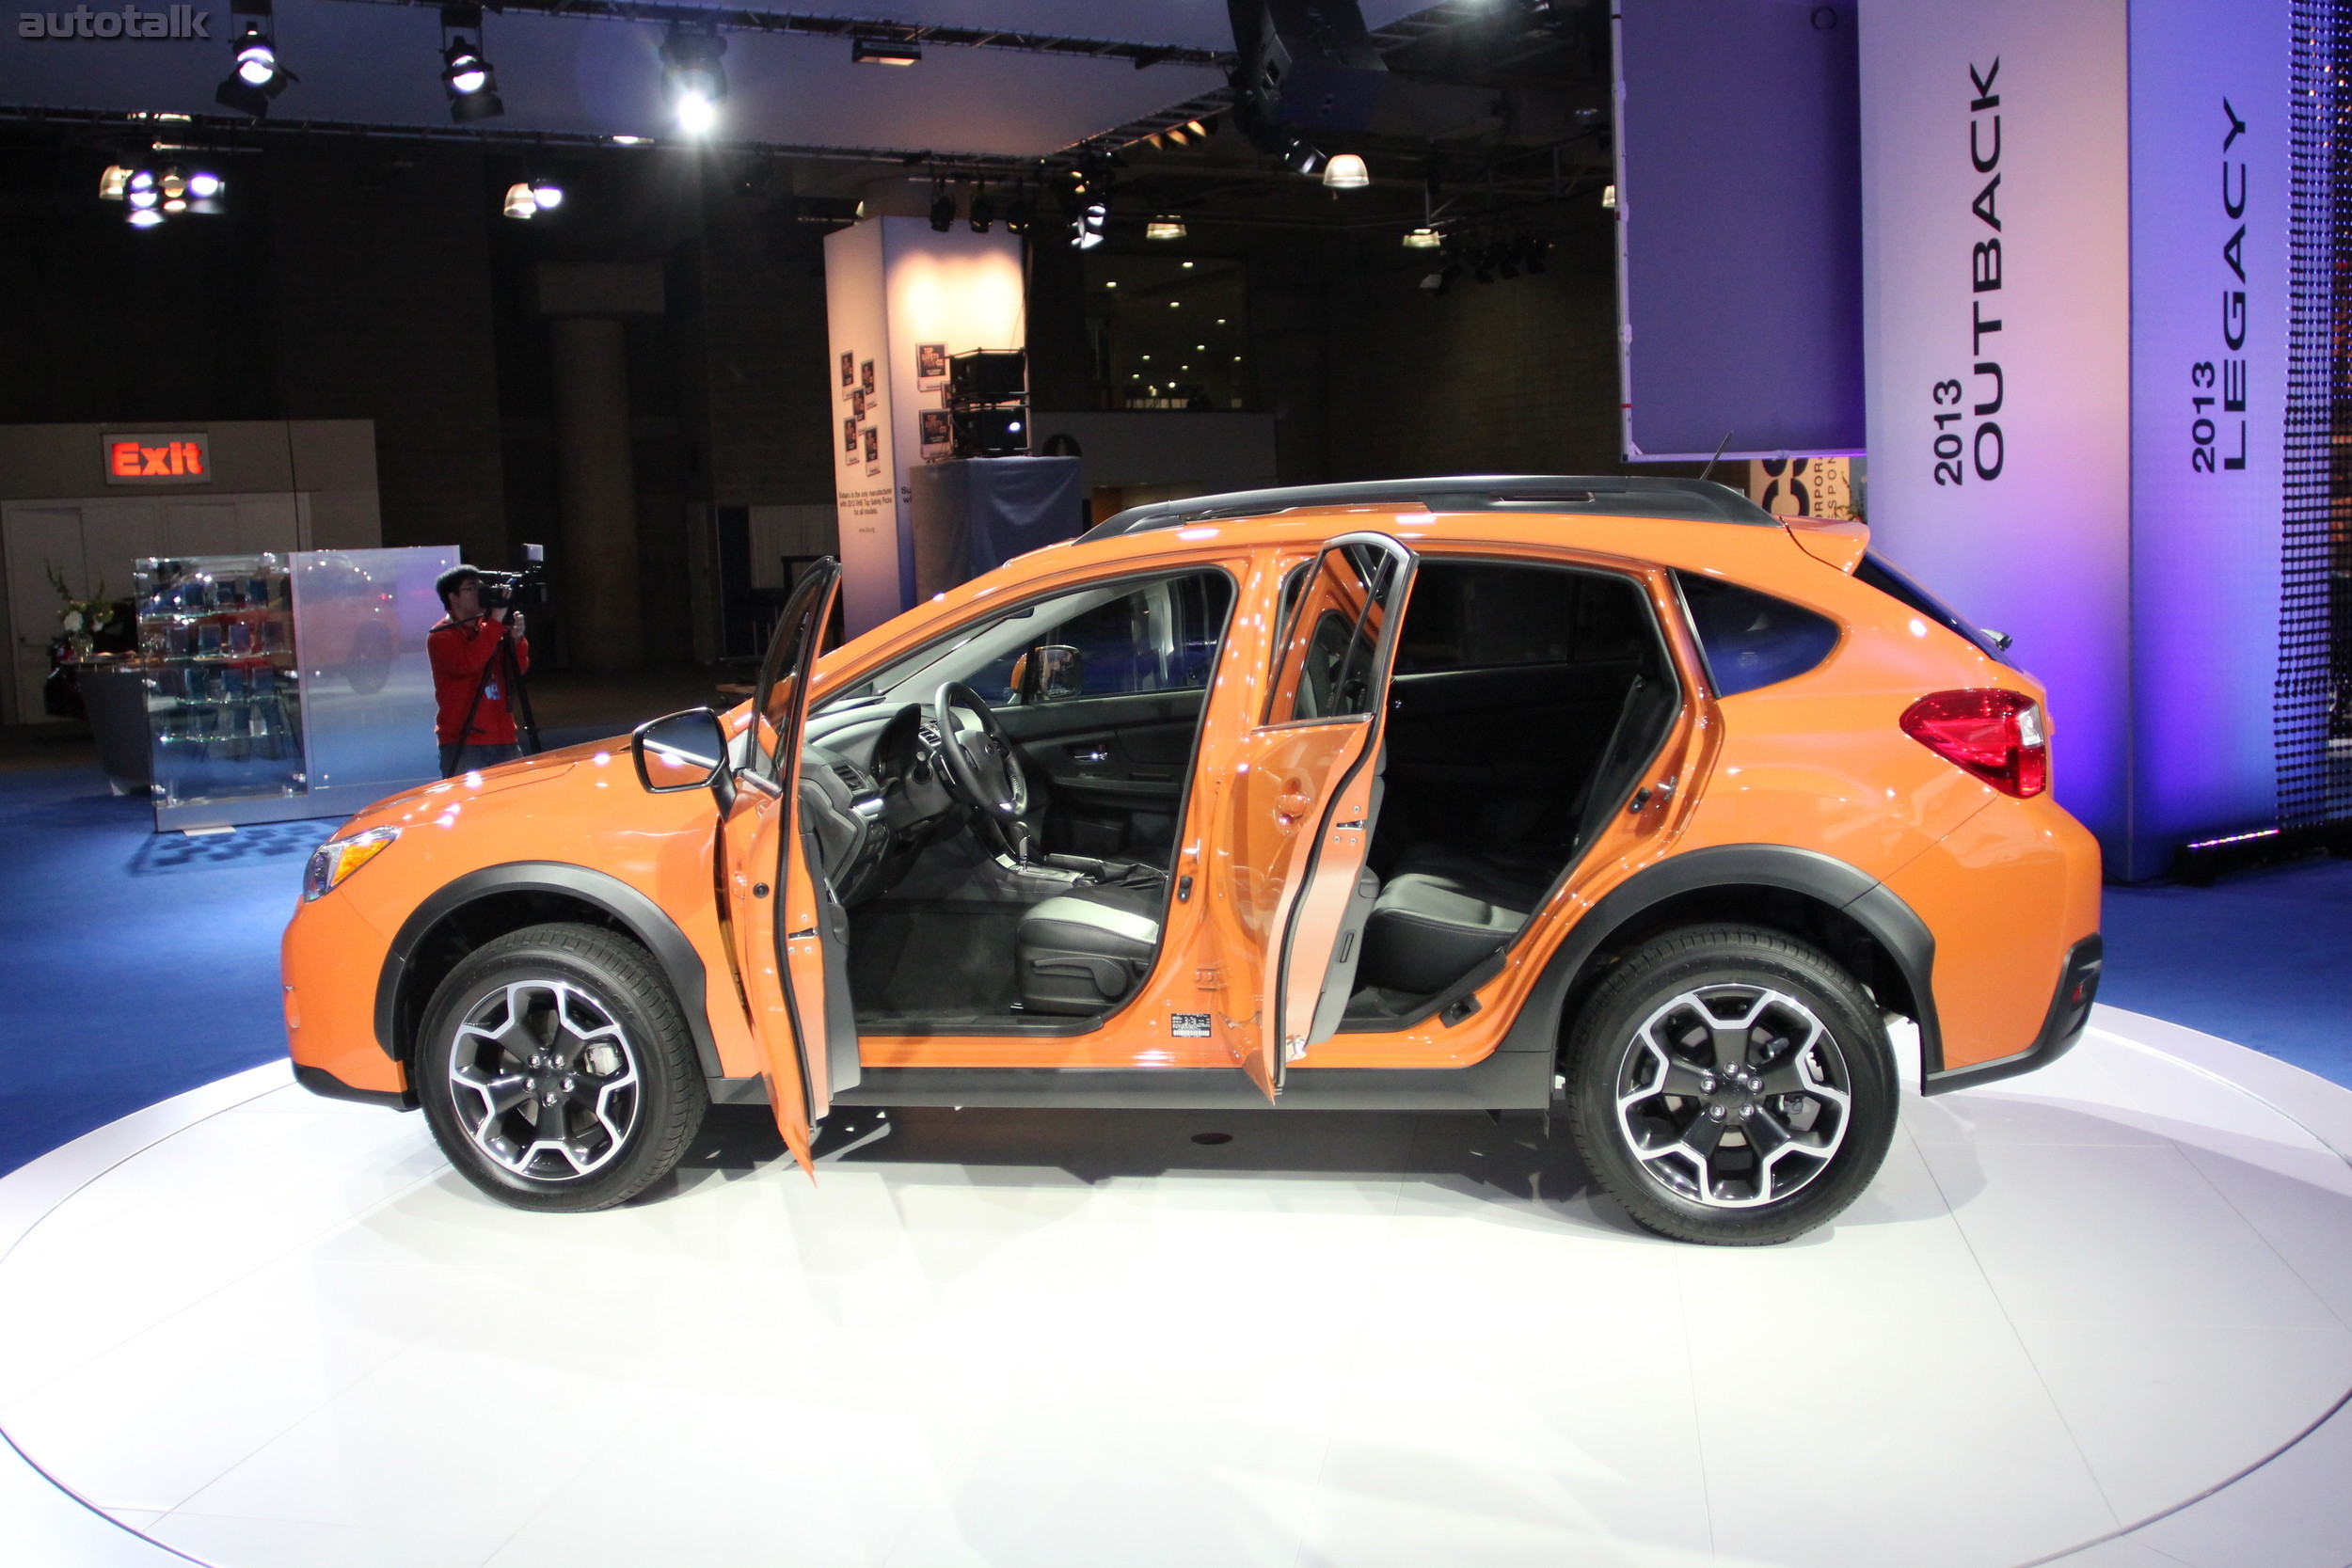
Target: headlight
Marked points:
333	861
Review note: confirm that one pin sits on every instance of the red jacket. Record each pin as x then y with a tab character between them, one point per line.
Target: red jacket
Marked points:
463	659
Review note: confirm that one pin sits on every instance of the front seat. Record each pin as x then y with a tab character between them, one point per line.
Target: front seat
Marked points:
1083	951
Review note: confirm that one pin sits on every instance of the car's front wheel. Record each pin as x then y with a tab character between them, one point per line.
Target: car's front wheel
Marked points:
556	1069
1730	1084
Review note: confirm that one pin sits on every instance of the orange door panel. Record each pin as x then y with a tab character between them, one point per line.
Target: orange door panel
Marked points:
1297	813
782	913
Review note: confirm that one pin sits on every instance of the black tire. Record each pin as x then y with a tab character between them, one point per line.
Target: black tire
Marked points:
1649	1086
574	1012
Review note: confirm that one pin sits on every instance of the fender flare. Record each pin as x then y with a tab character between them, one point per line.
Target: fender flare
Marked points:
1861	897
636	913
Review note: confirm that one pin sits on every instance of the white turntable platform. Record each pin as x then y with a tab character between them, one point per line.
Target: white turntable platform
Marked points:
2101	1313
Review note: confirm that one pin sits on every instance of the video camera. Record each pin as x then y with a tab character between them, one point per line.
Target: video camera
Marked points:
526	589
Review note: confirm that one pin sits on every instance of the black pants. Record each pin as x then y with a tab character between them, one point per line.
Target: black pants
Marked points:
467	759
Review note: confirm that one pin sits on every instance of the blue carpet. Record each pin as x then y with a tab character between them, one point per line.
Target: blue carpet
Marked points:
2261	958
134	966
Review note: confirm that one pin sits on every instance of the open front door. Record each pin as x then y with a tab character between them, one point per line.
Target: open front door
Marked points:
789	930
1299	808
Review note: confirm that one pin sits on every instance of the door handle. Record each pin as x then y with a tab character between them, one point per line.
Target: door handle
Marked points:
1295	800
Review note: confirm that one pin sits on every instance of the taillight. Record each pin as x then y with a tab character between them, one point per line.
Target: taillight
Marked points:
1996	734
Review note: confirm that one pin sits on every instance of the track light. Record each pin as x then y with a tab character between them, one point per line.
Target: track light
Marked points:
870	50
152	197
259	76
473	85
691	78
527	199
1346	172
943	211
982	212
1168	225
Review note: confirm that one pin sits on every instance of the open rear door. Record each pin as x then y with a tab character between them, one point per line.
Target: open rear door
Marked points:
789	930
1299	808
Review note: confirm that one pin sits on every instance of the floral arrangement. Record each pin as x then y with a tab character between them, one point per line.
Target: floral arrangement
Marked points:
82	619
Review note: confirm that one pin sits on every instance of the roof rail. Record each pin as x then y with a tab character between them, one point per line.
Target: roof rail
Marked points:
1612	496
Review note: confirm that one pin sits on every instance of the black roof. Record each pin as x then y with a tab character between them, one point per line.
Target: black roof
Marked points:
1612	496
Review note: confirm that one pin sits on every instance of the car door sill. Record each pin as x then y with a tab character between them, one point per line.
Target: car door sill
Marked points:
1504	1081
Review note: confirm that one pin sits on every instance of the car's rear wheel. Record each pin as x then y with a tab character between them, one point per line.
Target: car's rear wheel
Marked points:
1730	1084
557	1071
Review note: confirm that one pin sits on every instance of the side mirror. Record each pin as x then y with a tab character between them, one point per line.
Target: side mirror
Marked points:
680	751
1060	671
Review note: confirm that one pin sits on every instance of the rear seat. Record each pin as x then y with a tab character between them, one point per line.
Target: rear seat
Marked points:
1444	911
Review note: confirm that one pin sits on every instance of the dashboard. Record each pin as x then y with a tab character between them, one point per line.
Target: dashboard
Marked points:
873	794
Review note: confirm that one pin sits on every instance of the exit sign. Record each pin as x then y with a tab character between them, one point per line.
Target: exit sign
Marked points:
157	459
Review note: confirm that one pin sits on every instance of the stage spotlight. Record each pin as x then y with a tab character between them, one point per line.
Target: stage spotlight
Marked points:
1087	233
139	190
1302	157
1424	238
1168	225
882	51
691	78
982	212
1346	172
943	211
260	75
520	202
203	186
547	195
114	181
145	217
473	85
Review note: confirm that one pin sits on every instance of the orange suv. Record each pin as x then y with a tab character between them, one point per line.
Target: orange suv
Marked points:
1618	798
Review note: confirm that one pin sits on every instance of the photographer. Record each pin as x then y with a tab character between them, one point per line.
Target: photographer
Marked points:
473	674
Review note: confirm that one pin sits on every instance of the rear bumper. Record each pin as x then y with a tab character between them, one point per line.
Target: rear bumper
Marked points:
2070	1010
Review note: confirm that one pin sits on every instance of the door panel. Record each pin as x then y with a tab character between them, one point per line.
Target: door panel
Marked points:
1289	886
786	923
1116	758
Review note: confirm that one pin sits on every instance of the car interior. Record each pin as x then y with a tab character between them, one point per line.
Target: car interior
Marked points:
998	812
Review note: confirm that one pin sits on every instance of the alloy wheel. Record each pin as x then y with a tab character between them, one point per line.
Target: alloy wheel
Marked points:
544	1081
1733	1096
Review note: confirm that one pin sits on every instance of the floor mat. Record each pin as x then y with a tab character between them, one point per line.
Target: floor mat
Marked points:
945	961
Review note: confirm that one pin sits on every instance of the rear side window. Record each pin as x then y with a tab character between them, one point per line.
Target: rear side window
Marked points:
1475	616
1884	576
1752	638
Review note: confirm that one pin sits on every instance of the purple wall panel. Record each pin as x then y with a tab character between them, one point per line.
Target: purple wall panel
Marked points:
1740	228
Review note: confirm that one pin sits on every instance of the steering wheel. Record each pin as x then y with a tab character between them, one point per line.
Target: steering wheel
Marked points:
981	769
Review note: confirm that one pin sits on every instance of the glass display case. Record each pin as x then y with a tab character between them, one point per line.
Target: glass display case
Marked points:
222	689
287	686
